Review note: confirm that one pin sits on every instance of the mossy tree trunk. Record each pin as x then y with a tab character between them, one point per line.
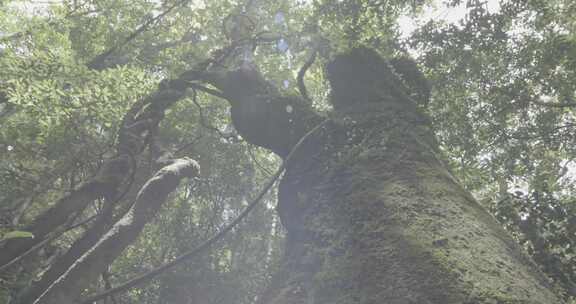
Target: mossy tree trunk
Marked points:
372	213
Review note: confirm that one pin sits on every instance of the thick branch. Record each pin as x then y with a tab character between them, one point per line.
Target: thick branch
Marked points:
302	73
86	269
259	112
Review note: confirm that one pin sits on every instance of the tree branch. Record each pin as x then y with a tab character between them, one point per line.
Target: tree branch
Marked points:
302	73
262	115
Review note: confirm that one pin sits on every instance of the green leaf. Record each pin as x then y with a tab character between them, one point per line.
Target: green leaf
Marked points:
17	234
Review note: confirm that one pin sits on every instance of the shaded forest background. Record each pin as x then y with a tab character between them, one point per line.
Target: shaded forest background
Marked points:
503	105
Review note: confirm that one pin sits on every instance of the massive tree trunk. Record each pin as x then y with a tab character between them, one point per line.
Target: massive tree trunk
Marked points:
373	214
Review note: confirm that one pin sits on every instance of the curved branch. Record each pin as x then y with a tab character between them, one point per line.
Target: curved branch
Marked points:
218	236
260	113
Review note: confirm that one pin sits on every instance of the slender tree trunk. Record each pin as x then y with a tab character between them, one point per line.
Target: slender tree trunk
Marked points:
373	214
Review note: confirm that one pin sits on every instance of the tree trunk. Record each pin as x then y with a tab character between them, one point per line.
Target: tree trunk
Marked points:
372	213
68	287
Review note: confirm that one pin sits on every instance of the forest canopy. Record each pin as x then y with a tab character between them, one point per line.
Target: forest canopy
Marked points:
135	133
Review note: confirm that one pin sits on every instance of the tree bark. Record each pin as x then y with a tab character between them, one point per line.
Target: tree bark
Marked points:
373	215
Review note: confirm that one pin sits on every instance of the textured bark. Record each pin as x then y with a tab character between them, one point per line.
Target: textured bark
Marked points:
373	215
88	267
